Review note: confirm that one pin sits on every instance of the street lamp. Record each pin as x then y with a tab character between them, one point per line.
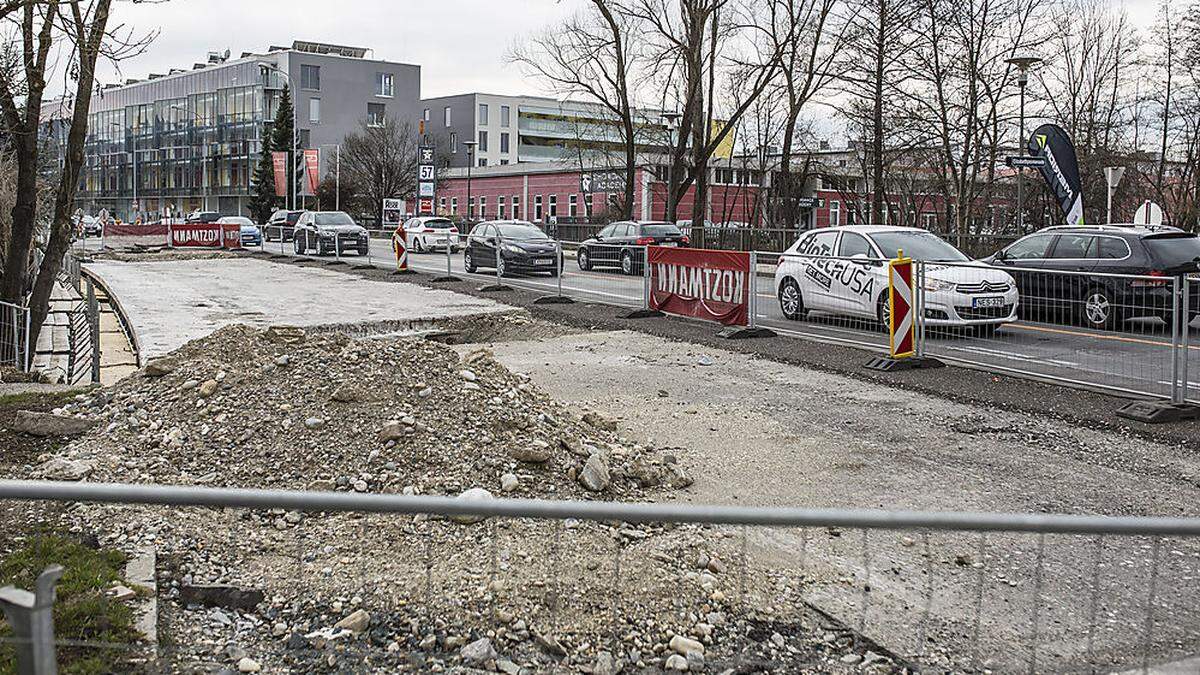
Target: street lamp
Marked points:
1023	64
470	146
291	151
671	120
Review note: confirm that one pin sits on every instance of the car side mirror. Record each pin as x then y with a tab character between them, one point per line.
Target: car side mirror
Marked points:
1000	255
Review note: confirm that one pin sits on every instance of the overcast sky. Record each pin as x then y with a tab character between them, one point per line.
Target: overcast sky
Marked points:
459	44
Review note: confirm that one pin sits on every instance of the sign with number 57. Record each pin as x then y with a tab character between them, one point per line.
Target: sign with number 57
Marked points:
425	172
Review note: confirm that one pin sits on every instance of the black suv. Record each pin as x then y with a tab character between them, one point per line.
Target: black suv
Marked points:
621	244
329	232
1084	272
280	225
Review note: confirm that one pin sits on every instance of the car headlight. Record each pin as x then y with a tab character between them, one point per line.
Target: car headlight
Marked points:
514	249
936	285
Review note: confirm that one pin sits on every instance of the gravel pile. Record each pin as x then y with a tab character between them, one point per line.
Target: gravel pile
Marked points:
276	591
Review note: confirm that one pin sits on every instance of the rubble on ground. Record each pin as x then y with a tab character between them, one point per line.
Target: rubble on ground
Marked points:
297	591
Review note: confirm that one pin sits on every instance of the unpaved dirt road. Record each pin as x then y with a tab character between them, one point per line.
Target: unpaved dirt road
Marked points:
760	433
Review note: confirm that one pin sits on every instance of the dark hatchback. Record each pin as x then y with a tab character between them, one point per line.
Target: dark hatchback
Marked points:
621	244
1063	272
522	248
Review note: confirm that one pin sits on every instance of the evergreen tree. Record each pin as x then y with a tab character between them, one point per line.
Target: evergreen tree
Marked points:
263	201
282	133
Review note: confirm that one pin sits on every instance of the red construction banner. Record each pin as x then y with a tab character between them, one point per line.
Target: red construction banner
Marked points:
279	163
701	283
312	169
900	312
206	235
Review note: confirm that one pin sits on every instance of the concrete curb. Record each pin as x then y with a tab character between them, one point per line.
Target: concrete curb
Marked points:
140	571
115	301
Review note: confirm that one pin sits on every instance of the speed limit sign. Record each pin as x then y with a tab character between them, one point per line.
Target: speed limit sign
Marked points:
425	172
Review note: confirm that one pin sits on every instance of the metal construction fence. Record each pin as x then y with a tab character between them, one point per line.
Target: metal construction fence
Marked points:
14	336
927	591
1111	332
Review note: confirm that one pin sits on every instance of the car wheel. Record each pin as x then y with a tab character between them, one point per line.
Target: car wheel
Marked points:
1096	309
469	262
418	246
627	262
791	301
584	260
297	246
884	312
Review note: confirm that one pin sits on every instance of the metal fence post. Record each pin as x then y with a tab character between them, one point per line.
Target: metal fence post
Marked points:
1176	314
28	327
919	309
93	315
646	277
1183	319
449	271
32	621
752	301
558	263
499	257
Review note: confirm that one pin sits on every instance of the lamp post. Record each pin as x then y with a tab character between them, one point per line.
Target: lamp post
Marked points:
337	189
292	150
1023	64
671	120
470	146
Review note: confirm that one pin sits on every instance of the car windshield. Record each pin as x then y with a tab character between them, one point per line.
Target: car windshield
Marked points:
439	224
332	218
293	216
1173	250
917	245
660	230
521	232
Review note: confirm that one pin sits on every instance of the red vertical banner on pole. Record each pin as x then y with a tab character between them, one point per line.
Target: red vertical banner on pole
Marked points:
279	162
312	168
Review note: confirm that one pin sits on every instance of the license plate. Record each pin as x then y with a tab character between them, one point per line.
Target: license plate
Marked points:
669	243
985	303
544	261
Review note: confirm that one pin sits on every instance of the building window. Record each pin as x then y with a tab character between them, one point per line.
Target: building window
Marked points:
453	143
483	207
376	114
483	113
505	113
454	205
572	205
441	204
537	208
835	213
516	201
310	78
314	110
483	141
483	161
553	206
303	137
500	207
446	119
504	162
929	220
384	85
426	115
470	207
503	142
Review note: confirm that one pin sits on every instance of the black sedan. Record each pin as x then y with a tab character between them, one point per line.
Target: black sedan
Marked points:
522	248
622	244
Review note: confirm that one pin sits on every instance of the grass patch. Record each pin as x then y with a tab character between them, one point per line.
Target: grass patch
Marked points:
82	611
38	399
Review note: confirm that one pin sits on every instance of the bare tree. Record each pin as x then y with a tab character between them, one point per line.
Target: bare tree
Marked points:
379	162
590	55
37	29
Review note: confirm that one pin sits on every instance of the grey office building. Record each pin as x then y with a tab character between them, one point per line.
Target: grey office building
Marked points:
190	138
512	129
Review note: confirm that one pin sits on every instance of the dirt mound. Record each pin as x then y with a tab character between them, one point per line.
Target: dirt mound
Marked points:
282	408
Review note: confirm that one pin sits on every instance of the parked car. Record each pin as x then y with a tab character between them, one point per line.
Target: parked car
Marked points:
202	217
1063	272
427	233
251	235
522	247
842	270
90	226
622	244
329	232
280	224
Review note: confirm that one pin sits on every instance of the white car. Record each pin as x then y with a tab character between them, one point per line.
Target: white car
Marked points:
843	270
426	233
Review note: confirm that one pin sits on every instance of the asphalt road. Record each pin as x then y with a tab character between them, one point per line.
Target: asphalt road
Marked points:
1135	359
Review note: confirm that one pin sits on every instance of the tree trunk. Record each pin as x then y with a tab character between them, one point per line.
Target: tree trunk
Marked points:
877	120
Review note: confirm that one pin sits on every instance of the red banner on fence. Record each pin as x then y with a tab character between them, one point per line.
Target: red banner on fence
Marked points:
312	169
701	283
206	235
279	163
